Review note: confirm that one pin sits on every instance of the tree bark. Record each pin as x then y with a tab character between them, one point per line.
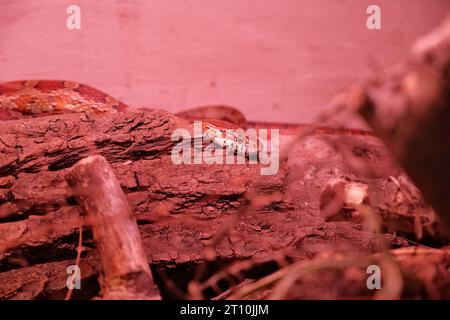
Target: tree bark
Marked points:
126	273
180	209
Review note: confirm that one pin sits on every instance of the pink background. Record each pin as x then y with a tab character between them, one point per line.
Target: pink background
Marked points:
279	60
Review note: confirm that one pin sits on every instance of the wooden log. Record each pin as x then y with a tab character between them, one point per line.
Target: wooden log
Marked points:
180	208
408	106
126	273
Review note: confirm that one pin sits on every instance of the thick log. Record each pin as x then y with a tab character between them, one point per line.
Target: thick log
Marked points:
180	209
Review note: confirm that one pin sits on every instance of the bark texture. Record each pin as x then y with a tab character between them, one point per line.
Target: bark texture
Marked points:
187	214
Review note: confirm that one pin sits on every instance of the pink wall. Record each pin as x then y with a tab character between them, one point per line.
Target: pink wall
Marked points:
274	59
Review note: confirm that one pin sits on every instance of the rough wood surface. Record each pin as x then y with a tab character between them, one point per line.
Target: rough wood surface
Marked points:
181	208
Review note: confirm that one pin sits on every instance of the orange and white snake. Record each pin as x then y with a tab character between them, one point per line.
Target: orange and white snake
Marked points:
35	98
22	99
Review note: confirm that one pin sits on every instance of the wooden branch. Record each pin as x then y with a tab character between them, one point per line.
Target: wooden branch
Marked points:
126	272
408	106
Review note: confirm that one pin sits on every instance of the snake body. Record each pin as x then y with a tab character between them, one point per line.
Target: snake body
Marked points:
21	99
35	98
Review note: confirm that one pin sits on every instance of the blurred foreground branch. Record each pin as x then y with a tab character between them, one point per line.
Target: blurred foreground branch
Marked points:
408	107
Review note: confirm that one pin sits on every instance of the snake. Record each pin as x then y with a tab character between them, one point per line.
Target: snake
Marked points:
37	98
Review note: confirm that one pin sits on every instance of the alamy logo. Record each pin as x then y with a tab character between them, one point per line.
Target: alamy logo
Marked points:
229	146
74	277
73	21
374	20
374	280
